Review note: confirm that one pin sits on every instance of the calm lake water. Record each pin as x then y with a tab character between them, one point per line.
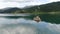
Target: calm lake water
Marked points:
24	24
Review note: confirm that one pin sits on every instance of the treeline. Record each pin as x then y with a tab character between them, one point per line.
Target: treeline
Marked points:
50	7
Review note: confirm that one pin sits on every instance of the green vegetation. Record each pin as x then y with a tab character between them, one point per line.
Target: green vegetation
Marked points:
50	8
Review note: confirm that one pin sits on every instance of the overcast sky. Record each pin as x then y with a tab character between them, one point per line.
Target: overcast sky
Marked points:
23	3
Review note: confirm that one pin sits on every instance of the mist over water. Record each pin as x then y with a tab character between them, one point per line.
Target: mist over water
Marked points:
24	26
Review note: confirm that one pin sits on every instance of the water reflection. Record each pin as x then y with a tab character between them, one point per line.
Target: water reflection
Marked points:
14	14
10	24
25	26
44	17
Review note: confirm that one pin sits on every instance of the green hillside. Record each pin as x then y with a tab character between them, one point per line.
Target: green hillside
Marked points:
45	8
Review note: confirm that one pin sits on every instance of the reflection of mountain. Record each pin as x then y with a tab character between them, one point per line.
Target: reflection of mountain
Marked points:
50	7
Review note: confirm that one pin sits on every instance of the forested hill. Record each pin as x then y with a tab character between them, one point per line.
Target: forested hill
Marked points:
50	7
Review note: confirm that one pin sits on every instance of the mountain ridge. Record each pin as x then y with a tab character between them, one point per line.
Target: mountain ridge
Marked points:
50	7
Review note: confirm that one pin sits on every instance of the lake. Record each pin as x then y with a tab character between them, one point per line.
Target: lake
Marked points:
24	24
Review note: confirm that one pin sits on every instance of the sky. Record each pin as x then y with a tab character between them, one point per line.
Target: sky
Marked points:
23	3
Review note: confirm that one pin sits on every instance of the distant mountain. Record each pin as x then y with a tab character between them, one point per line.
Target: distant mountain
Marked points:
50	7
11	10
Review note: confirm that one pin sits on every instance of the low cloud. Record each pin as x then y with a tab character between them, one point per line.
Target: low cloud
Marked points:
23	3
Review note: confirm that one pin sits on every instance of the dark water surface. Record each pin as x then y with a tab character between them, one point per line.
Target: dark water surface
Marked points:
44	17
